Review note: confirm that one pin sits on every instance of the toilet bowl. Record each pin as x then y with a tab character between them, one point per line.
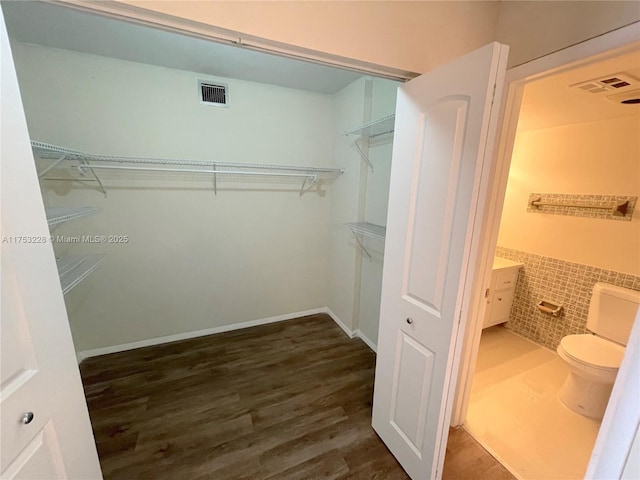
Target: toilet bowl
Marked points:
593	359
593	366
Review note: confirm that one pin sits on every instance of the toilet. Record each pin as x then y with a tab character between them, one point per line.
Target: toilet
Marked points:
594	359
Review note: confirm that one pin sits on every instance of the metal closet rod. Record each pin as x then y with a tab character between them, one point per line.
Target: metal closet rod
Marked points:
58	154
83	168
215	165
309	175
311	178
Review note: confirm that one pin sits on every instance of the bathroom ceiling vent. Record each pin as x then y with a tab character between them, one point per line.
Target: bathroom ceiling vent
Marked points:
618	82
216	94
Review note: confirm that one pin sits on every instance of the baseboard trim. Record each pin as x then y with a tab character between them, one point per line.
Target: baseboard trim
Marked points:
358	333
82	355
339	322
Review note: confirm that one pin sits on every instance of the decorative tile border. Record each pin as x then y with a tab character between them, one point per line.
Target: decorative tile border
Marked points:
567	199
568	284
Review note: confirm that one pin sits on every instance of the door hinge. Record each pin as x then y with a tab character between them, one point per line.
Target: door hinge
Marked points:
486	293
493	95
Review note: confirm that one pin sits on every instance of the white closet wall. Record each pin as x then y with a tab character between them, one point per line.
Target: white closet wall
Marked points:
348	111
358	196
194	260
383	103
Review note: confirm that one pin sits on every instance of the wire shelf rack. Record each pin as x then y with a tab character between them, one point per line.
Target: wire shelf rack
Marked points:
366	229
369	131
86	164
74	269
375	127
58	215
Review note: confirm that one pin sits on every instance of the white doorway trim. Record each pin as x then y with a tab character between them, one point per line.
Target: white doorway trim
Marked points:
605	46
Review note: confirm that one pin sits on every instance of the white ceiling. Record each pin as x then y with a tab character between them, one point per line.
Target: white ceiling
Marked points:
550	102
60	27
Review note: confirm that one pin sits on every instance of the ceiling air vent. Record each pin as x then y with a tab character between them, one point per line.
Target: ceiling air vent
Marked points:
213	93
617	82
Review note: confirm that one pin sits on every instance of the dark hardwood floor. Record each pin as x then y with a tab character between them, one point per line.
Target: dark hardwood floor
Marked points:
466	460
290	400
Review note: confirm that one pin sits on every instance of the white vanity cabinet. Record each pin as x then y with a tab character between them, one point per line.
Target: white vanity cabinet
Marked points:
501	291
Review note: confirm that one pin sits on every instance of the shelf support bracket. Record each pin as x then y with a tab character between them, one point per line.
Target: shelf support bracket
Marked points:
304	182
361	245
215	180
85	165
364	157
312	179
52	166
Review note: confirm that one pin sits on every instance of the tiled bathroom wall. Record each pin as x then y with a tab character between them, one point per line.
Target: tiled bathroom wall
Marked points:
564	283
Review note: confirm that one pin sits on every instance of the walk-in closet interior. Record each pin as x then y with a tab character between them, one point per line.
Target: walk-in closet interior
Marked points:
218	187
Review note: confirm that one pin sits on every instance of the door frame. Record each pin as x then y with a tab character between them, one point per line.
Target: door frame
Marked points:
597	49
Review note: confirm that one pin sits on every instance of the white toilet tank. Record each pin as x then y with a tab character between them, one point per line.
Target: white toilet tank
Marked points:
612	311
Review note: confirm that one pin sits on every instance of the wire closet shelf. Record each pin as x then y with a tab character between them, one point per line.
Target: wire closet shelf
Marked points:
369	131
374	128
74	269
369	230
58	215
90	164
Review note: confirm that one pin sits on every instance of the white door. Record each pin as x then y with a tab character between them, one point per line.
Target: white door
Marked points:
45	430
445	123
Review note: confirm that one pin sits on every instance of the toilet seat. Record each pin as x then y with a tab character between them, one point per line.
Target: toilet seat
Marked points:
593	351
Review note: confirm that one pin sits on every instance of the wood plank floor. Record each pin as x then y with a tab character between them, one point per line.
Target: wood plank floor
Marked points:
466	460
290	400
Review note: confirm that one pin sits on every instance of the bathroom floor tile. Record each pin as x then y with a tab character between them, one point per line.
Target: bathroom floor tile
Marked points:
514	411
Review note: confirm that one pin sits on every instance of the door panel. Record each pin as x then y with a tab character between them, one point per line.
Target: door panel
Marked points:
18	357
19	368
441	133
38	369
431	221
413	369
40	455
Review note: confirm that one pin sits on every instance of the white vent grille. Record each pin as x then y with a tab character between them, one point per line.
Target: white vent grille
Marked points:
618	82
216	94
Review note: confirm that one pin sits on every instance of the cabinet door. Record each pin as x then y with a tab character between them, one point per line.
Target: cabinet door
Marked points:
500	307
